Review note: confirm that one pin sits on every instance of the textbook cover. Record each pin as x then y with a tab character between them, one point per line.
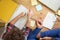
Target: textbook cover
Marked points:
7	7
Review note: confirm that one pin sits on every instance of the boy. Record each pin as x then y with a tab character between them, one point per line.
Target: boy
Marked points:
12	32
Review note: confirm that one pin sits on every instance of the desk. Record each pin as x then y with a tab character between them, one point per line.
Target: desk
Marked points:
27	4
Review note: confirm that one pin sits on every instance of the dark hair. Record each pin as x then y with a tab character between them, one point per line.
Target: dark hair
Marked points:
14	34
8	24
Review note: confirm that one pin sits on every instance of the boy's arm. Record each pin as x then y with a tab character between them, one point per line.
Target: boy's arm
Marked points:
16	18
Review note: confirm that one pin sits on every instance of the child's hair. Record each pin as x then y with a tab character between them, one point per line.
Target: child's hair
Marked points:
14	34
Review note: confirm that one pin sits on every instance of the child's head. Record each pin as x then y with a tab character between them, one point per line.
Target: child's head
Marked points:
14	34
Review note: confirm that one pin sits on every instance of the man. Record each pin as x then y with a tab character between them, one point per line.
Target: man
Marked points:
54	33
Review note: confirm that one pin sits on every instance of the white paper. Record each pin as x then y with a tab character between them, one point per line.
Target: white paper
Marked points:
22	21
52	4
49	20
38	7
32	23
34	2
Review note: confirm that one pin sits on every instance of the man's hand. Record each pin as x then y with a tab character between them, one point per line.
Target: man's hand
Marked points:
39	23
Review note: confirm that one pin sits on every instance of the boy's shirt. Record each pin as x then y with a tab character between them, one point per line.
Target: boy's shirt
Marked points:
25	30
11	26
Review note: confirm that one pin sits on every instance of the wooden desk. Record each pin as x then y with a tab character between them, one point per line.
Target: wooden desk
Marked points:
27	4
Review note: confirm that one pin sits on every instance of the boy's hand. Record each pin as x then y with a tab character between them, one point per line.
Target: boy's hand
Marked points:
30	14
22	14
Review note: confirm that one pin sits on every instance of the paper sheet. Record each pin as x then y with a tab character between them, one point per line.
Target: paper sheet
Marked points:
58	12
34	2
38	7
32	23
52	4
49	20
6	9
22	21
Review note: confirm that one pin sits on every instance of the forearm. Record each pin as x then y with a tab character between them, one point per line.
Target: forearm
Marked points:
28	22
15	19
50	33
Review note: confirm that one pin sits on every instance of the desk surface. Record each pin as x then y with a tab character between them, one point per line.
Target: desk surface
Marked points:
27	4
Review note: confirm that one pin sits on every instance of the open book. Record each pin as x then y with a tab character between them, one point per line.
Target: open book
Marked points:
49	20
22	21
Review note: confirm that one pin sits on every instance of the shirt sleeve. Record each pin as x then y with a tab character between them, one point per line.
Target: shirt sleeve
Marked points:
50	33
33	34
9	27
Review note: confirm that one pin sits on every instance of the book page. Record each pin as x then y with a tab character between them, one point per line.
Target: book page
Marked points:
22	21
49	20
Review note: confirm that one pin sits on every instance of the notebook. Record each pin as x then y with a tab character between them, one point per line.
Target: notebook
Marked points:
34	2
22	21
49	20
52	4
6	9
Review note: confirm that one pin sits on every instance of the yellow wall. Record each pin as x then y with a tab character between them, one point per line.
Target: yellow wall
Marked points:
7	8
